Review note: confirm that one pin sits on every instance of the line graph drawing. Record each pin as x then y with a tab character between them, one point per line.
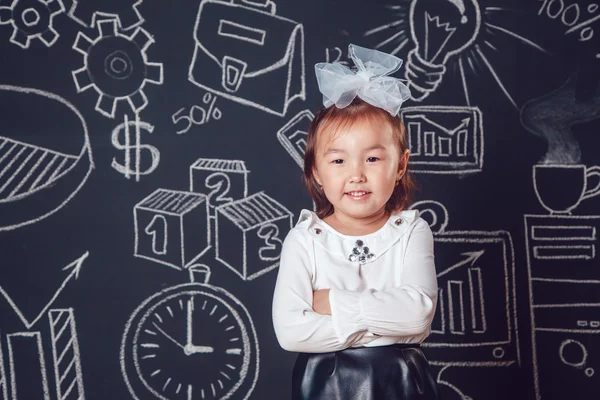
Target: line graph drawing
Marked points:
73	268
172	227
191	341
38	167
444	139
116	66
86	13
249	234
444	35
257	58
28	379
65	354
31	19
293	135
221	180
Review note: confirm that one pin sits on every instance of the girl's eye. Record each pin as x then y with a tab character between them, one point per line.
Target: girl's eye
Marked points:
338	161
372	159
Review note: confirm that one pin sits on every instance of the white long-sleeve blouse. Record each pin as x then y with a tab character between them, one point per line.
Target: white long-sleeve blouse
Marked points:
383	285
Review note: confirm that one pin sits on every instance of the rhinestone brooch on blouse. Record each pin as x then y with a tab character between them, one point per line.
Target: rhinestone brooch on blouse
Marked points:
360	253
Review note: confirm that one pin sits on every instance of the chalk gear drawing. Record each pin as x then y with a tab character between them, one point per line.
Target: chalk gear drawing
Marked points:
31	19
87	12
242	50
116	66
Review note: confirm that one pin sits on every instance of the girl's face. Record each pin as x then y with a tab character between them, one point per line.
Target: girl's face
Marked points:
358	168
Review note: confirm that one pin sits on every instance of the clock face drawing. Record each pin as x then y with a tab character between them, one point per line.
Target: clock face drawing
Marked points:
192	341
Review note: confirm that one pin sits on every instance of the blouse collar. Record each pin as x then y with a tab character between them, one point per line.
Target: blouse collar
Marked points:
357	249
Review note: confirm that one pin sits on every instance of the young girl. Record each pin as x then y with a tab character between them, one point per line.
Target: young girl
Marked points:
356	290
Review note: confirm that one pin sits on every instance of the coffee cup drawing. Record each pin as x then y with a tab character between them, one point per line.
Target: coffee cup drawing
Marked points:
561	187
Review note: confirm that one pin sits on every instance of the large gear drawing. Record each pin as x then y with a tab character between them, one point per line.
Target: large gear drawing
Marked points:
31	19
116	66
85	12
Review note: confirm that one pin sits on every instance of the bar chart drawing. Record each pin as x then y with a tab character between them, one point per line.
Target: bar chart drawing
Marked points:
26	360
65	355
444	139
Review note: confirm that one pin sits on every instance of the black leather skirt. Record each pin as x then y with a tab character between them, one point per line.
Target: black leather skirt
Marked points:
395	372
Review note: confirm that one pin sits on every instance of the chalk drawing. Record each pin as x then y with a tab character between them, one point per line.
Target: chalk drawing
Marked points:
65	355
31	19
133	149
444	139
239	54
28	379
3	382
86	13
221	180
191	341
249	234
197	115
477	266
294	134
74	268
446	34
172	227
116	66
564	288
31	170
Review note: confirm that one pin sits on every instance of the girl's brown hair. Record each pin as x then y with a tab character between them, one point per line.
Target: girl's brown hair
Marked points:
337	119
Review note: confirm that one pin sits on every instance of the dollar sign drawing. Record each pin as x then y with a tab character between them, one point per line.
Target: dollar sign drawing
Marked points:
134	149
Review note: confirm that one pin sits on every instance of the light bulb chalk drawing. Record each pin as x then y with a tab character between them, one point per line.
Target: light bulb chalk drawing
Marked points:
133	149
116	66
31	19
38	167
447	33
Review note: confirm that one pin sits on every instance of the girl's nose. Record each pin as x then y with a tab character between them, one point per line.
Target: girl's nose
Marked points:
357	175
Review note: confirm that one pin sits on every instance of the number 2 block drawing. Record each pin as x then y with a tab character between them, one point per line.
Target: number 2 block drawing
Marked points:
249	234
171	227
221	180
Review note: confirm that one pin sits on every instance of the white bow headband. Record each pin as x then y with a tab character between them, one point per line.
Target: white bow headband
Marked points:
340	85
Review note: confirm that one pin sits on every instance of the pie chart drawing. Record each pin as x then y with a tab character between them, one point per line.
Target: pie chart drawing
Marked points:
45	155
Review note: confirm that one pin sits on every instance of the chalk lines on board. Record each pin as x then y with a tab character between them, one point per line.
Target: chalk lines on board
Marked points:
564	288
29	170
190	341
74	268
172	227
294	134
444	139
86	13
3	380
133	149
31	19
479	266
275	43
197	114
116	66
445	34
28	378
65	354
249	234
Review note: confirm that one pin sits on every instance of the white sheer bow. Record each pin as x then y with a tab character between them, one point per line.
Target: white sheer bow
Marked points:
340	85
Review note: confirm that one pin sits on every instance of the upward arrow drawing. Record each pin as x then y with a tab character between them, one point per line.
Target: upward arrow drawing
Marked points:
463	124
472	256
74	266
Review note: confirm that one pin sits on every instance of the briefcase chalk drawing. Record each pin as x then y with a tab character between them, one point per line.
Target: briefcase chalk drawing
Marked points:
248	55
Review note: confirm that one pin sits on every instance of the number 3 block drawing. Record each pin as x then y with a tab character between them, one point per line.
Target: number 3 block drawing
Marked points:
171	227
222	180
249	234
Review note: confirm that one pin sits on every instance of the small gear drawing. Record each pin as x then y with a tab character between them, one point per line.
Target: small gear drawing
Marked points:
31	19
85	12
116	66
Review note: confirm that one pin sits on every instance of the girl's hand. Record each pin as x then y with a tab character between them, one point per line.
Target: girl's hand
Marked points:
321	302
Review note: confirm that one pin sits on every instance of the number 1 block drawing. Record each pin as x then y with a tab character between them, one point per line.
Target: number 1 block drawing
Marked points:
171	227
221	180
249	234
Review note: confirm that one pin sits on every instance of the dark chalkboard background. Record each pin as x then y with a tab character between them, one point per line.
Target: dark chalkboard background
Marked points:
120	133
